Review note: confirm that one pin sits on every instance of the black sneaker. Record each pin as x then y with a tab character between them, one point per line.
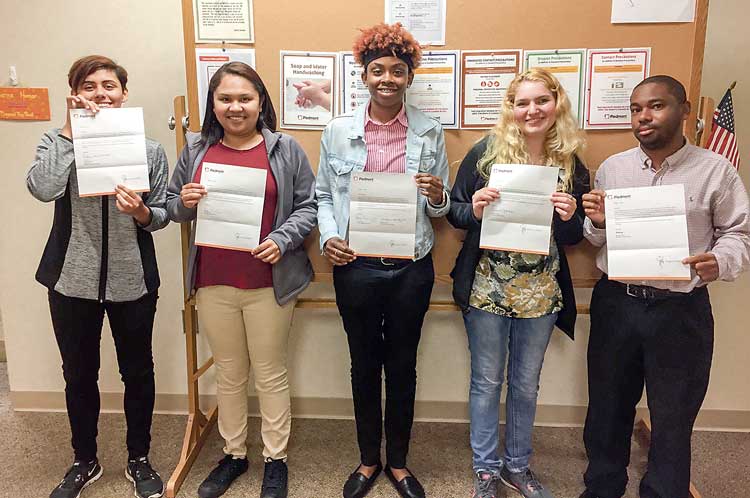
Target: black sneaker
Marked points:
275	480
80	475
146	481
219	480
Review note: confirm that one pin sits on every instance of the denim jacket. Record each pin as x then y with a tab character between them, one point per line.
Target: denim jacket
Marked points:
343	151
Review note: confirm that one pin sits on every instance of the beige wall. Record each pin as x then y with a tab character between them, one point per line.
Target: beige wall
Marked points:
42	38
727	59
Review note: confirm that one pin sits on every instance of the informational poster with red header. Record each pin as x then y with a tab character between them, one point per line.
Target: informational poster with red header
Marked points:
485	77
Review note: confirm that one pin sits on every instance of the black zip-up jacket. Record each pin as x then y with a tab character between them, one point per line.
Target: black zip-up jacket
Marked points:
461	216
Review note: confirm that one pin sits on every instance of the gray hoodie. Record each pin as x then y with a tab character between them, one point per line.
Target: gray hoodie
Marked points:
294	217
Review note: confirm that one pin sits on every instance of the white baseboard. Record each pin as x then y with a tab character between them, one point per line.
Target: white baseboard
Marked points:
341	408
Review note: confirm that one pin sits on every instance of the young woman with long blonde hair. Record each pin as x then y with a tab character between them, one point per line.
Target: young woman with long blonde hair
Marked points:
512	301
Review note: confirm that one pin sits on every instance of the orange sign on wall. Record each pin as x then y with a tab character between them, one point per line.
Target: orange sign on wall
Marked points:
24	104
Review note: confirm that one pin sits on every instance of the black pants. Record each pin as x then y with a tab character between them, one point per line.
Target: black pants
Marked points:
666	342
383	307
78	330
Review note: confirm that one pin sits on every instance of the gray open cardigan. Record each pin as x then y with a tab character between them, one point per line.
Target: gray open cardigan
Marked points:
294	217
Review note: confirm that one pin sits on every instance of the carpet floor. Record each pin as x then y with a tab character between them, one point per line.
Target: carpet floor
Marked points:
35	453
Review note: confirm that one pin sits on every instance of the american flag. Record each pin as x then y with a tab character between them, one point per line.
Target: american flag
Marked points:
723	139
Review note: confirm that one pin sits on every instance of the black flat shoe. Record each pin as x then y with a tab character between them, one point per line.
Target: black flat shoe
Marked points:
358	484
408	487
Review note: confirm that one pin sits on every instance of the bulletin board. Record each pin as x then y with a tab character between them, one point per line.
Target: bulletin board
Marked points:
332	25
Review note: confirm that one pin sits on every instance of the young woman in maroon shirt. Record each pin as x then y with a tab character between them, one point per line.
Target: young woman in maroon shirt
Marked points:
246	299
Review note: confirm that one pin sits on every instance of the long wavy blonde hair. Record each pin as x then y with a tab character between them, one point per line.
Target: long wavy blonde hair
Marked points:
507	143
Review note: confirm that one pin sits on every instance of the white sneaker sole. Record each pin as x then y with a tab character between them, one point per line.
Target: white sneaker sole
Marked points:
135	491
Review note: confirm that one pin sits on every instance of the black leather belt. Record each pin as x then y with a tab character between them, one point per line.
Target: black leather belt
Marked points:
397	262
650	293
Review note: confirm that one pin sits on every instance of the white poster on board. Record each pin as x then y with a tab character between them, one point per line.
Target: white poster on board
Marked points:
425	19
223	20
646	11
435	88
611	75
568	66
485	77
307	89
352	90
209	60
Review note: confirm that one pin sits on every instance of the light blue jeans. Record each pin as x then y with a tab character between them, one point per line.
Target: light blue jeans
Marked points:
491	338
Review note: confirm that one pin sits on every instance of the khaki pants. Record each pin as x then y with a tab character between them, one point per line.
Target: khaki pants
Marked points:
244	328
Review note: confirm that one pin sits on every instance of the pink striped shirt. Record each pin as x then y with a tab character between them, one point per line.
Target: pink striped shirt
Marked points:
386	144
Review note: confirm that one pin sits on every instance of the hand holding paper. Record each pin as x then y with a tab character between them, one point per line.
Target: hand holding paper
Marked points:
593	206
268	252
338	252
565	205
132	204
705	265
482	198
430	186
191	194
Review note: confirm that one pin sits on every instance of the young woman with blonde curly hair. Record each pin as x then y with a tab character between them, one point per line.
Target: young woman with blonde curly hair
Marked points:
512	301
382	301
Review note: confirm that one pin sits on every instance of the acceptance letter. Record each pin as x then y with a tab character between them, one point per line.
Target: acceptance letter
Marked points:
383	215
521	219
647	236
110	150
229	217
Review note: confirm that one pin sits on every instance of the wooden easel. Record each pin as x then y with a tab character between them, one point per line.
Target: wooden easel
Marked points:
199	424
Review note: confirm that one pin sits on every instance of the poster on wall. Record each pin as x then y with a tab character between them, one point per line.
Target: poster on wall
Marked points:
209	60
569	67
352	90
425	19
611	75
647	11
223	20
435	88
307	89
24	104
485	76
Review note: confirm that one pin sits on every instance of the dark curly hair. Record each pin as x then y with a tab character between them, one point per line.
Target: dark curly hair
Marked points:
387	39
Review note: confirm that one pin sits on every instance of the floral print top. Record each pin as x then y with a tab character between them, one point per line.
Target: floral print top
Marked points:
517	285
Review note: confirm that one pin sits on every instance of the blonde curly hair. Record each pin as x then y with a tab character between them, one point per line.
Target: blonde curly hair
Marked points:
387	38
563	142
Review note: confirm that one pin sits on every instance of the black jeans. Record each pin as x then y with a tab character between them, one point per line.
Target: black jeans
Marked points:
383	307
78	330
666	342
